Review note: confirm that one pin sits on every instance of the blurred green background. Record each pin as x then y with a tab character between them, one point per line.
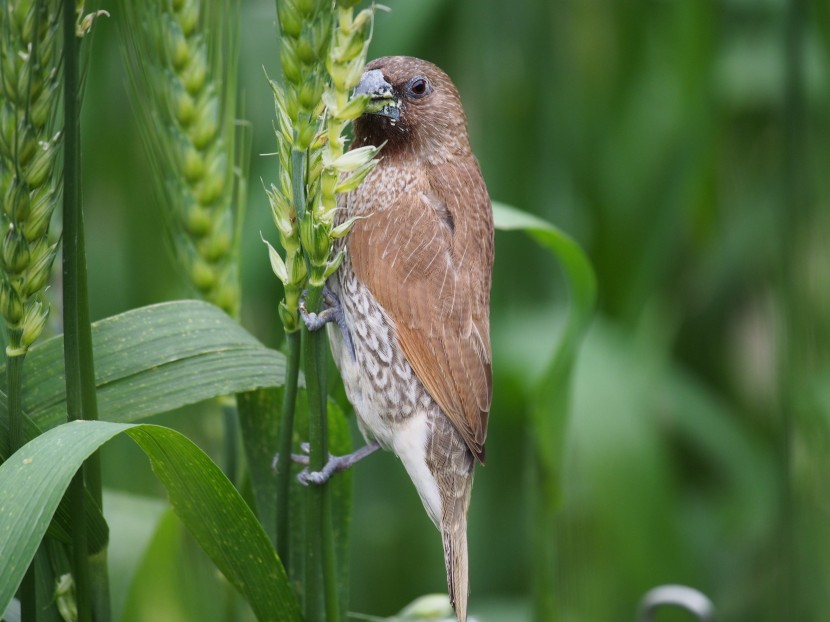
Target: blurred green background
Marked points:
684	145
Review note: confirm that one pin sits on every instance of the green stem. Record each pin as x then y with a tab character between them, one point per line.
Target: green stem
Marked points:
329	557
316	438
544	507
92	589
14	379
289	402
80	557
28	595
321	580
86	363
320	349
230	419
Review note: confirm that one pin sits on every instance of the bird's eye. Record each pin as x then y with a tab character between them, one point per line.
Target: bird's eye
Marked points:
418	87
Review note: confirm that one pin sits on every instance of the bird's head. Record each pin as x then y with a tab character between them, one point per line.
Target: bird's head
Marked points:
414	107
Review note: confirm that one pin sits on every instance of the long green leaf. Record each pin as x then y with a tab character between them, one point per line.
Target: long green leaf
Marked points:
151	360
550	403
148	360
33	480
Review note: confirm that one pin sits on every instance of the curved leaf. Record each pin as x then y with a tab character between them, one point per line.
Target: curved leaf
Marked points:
151	360
551	402
147	361
33	480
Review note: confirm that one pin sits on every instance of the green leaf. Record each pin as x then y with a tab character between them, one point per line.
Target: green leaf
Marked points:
550	403
147	361
151	360
33	480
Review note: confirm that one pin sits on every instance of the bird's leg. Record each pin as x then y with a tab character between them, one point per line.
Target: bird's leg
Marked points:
335	465
332	312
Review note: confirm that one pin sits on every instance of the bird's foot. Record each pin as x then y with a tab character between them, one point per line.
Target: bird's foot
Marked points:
335	464
295	458
332	312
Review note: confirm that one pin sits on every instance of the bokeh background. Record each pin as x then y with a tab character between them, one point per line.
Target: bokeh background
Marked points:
685	146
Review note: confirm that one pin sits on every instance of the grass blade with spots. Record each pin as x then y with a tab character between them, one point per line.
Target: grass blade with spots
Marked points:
152	360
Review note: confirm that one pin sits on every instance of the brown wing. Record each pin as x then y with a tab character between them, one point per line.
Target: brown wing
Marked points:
427	259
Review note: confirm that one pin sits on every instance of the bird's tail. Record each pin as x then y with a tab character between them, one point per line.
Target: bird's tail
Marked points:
454	537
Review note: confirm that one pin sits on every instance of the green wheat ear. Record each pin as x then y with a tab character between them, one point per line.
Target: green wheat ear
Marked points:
30	150
323	51
182	60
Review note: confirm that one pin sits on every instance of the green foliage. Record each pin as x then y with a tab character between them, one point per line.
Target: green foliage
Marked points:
149	360
550	401
33	480
680	144
152	360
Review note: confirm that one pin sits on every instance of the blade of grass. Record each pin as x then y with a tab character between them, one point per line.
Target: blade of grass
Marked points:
551	400
33	480
152	360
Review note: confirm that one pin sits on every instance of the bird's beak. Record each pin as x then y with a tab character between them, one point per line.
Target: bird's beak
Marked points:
382	100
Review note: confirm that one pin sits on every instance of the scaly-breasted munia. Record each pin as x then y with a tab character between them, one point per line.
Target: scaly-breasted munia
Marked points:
413	346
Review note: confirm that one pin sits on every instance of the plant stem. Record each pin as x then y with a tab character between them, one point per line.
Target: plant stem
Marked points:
91	580
315	387
14	378
292	372
86	363
230	418
329	557
321	563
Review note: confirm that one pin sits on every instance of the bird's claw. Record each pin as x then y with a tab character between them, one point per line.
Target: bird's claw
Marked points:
333	465
306	477
295	458
329	298
330	313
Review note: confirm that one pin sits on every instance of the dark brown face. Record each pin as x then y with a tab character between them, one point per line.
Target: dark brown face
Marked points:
414	106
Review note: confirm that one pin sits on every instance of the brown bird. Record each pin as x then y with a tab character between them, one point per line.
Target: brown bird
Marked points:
412	296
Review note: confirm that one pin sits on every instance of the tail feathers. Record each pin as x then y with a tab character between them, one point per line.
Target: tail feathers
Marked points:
451	466
454	537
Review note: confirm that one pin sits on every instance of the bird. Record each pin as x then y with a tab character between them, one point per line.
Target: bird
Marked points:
411	299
